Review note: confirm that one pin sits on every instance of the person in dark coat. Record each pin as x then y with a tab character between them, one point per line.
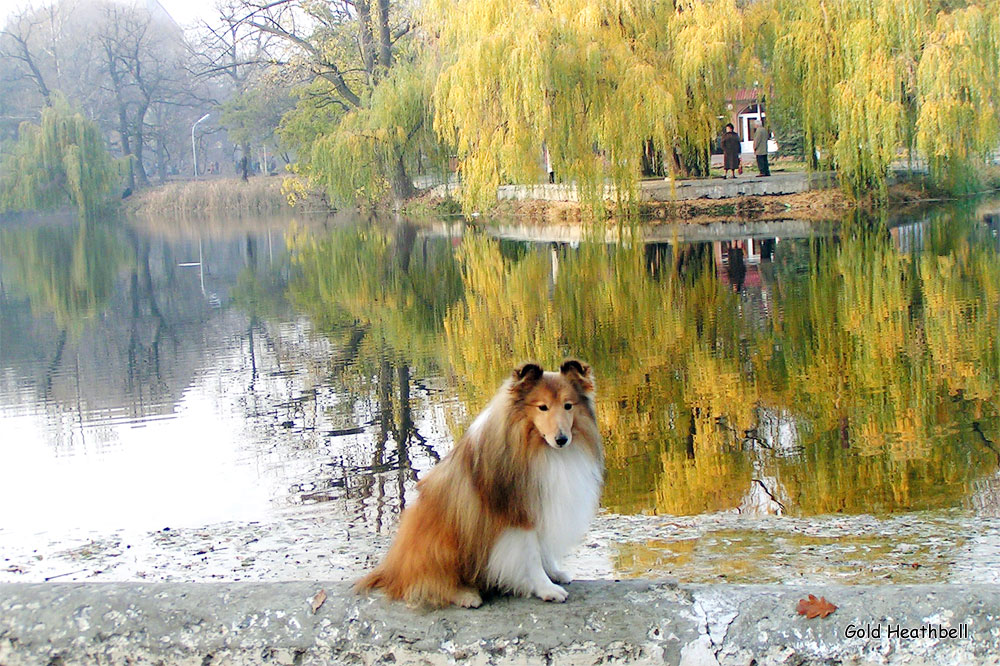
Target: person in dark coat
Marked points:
730	151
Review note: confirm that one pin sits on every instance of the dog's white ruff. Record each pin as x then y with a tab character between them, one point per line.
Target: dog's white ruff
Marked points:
525	562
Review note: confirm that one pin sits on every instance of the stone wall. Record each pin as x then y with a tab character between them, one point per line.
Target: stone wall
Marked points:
602	622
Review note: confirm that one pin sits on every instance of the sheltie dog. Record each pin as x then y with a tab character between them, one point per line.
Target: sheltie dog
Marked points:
514	495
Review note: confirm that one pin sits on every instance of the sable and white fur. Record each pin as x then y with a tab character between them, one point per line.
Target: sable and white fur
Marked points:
517	492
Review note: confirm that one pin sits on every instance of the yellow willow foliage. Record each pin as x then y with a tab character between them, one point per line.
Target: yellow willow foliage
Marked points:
959	88
62	160
355	159
806	66
849	68
867	110
591	80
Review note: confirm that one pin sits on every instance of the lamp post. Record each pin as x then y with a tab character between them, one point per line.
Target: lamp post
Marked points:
194	149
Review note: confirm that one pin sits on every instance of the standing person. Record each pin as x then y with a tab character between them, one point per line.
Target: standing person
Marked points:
760	139
730	151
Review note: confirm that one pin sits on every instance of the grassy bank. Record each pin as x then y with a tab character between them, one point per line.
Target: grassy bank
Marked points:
219	196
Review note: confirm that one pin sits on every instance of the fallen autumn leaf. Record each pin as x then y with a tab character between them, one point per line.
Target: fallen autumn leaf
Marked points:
813	607
318	600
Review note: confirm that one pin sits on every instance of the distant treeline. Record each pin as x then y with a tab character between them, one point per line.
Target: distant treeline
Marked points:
357	98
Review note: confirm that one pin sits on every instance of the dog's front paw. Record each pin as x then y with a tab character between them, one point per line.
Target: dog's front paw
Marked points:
560	577
467	598
552	592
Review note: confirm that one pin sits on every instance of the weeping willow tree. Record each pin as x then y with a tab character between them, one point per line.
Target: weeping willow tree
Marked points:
959	92
871	82
368	153
62	160
871	79
592	81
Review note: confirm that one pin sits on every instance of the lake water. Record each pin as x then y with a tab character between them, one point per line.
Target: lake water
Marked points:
774	405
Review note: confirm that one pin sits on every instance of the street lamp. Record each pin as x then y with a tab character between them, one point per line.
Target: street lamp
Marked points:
194	150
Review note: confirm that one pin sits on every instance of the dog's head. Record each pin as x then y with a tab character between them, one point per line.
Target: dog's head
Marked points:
553	400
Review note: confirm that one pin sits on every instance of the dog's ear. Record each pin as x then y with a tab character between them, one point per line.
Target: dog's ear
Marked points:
580	374
525	376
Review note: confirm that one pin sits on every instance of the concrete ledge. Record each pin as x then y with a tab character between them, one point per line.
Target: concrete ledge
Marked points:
683	190
603	622
749	185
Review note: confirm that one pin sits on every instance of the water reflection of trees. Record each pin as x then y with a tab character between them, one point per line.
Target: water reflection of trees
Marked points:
69	272
380	293
838	374
886	361
114	331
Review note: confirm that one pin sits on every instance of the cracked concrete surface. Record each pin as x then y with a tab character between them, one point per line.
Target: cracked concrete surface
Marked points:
603	622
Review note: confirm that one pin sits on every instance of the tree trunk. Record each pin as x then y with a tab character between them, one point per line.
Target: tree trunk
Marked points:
161	160
140	143
245	162
402	186
365	26
123	135
385	36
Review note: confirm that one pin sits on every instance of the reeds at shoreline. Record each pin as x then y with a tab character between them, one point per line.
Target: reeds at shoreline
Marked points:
219	196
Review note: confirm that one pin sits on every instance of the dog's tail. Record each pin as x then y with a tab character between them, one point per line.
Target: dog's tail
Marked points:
374	580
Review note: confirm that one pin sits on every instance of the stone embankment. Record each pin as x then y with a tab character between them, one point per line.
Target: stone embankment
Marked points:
778	183
603	622
685	190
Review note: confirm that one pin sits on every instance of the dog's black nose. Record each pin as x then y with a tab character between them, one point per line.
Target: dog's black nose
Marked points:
561	440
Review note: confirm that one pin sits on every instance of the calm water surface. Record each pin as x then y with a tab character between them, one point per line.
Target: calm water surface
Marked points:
153	376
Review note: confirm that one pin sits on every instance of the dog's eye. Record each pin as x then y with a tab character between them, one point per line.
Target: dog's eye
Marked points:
544	408
569	406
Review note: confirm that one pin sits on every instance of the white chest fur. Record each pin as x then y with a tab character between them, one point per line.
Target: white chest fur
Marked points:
569	491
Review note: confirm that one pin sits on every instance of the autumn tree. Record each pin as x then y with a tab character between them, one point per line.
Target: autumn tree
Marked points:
250	75
62	160
123	66
870	81
958	90
18	42
142	67
875	80
592	81
365	137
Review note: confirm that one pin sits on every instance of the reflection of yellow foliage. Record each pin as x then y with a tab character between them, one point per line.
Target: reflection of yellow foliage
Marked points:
637	560
881	359
381	283
766	554
678	392
506	317
714	481
69	272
